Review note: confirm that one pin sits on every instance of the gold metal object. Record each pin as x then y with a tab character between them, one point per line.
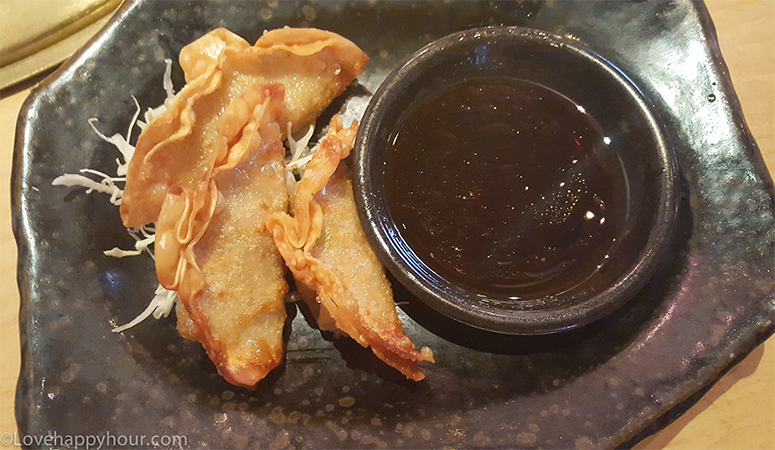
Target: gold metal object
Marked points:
36	35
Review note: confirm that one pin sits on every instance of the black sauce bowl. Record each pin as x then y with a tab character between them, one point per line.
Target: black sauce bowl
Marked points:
624	113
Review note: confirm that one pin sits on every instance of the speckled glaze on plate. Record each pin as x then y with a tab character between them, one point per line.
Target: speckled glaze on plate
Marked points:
607	385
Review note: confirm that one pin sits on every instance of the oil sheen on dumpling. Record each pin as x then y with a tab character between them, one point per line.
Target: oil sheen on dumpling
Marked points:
211	169
181	147
241	309
325	248
220	259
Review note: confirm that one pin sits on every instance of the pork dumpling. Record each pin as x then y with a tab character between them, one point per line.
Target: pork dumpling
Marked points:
315	66
202	56
342	245
210	171
181	147
229	275
186	212
325	248
242	305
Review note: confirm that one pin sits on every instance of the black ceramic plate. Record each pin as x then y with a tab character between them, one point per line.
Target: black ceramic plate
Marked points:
605	385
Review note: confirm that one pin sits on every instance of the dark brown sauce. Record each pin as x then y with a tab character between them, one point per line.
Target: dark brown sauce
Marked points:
506	187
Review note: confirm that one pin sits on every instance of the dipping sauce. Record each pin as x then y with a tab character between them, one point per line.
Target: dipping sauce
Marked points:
507	188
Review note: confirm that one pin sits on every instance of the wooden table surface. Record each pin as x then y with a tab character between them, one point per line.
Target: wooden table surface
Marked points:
738	413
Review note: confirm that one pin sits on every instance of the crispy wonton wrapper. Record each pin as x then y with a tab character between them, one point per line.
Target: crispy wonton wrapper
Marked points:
326	249
210	172
315	66
226	269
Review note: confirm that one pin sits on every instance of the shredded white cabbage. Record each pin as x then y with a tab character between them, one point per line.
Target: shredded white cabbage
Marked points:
299	154
145	235
160	306
107	185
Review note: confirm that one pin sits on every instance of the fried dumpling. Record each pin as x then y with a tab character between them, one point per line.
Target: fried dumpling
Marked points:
242	305
181	147
229	275
342	246
315	66
210	170
186	212
325	248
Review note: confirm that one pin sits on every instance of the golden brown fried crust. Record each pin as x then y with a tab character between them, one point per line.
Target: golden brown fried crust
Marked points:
324	246
315	67
210	172
344	247
227	271
244	295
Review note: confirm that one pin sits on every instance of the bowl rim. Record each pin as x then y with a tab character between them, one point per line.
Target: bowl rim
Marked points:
481	314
